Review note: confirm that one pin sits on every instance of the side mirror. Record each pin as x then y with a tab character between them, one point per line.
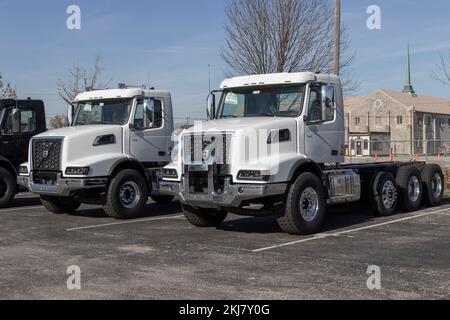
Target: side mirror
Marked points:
15	121
211	107
328	103
149	113
70	114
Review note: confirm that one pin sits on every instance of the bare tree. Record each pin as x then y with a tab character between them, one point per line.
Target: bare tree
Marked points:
58	121
442	70
80	80
7	92
267	36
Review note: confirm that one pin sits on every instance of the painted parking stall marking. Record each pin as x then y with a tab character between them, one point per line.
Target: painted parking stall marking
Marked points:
326	235
124	222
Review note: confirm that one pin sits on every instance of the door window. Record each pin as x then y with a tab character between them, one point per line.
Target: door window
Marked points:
27	121
139	119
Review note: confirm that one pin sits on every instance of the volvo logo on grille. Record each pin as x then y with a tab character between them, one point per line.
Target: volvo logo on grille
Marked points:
45	154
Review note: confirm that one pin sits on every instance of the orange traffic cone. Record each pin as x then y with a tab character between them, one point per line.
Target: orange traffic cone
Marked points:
391	157
376	156
417	157
438	158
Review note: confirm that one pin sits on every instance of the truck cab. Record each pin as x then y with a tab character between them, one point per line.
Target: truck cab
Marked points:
19	121
274	144
111	155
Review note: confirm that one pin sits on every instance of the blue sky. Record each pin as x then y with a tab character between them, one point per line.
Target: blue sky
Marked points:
175	40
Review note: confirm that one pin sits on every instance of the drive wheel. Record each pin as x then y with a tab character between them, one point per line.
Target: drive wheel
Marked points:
384	195
204	217
305	206
8	187
433	185
161	199
60	205
127	195
410	188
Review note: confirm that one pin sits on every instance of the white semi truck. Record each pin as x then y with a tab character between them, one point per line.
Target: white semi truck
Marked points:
111	155
274	144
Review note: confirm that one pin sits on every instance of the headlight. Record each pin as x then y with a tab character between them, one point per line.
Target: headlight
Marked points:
170	173
23	170
77	171
254	175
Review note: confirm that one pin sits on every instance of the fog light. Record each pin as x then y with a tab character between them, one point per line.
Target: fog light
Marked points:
23	170
77	171
253	175
170	173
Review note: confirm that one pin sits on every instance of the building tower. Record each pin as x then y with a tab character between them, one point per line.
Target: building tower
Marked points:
408	86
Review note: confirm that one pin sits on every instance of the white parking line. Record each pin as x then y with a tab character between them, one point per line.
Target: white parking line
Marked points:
124	222
326	235
21	209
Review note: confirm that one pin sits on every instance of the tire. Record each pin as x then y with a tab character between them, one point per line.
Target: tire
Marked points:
60	205
127	195
384	194
8	187
410	196
204	217
433	185
307	190
161	199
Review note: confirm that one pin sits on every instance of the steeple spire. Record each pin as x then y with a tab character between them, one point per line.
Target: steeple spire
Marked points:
408	86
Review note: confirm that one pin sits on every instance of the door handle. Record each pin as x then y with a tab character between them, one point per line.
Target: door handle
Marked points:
309	136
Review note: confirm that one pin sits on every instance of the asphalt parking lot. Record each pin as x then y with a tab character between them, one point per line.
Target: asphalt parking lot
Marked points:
161	256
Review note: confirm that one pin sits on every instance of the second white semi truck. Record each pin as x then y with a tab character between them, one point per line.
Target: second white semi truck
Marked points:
274	144
111	155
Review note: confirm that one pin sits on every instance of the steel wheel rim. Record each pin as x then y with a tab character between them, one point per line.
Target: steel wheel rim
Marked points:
413	188
129	194
389	194
309	204
436	186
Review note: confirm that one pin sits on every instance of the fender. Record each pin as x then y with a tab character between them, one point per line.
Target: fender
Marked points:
127	162
4	162
307	163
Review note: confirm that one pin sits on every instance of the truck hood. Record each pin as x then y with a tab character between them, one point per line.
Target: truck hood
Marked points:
76	132
242	125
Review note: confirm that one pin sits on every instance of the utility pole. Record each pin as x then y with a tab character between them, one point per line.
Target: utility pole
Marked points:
209	78
337	36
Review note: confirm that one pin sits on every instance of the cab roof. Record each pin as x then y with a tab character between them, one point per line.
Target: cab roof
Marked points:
120	93
277	79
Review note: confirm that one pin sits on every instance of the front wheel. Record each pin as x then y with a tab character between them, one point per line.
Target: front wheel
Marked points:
8	187
305	206
204	217
60	205
127	195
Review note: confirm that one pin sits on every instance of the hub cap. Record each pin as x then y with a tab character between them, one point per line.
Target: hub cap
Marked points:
413	188
309	204
129	195
436	186
389	194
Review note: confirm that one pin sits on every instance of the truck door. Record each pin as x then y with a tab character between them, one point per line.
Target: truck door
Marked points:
8	148
148	139
28	128
321	130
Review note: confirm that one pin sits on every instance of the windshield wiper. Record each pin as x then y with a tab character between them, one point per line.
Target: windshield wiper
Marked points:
263	114
228	116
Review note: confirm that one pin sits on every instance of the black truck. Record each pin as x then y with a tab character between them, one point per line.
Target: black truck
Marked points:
19	121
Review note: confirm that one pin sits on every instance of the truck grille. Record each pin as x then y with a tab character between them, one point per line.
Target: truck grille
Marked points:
207	148
47	154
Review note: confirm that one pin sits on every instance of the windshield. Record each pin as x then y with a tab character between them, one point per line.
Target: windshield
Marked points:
113	111
262	102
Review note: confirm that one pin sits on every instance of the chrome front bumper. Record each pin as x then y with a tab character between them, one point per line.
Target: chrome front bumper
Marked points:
232	196
63	187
